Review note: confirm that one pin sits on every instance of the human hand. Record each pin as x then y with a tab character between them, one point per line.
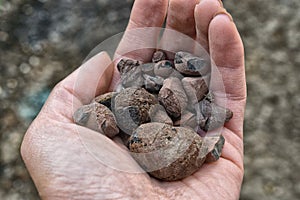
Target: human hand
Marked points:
56	155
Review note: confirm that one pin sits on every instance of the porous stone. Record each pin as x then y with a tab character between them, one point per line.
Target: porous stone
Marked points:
191	65
131	108
172	96
106	99
167	153
97	117
196	88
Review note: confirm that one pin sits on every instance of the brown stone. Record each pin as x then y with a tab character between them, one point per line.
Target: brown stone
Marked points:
131	108
196	88
167	153
158	56
187	119
172	96
97	117
157	113
106	99
191	65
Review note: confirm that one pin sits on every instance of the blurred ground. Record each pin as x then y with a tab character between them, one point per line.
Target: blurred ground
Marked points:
43	41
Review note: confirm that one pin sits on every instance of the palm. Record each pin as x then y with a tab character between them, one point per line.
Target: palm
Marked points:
70	157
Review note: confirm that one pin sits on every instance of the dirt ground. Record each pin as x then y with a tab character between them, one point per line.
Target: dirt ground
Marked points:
43	41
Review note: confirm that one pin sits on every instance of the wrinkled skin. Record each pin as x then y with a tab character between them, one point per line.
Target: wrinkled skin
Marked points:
59	163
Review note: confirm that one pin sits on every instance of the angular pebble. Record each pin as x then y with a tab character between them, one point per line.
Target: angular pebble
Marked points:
148	68
215	116
133	78
191	65
163	68
125	65
157	113
172	96
106	99
214	144
153	83
131	108
187	119
196	88
97	117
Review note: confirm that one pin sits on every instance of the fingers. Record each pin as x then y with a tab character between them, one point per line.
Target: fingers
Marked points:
181	16
204	13
145	13
180	26
227	52
89	80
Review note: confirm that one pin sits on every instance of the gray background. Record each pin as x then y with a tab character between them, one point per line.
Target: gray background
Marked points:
43	41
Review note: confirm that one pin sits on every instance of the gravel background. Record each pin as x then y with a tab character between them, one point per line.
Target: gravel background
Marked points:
43	41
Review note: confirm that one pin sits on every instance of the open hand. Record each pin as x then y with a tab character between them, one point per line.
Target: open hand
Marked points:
54	148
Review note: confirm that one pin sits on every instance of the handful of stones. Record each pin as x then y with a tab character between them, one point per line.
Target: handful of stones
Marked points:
165	108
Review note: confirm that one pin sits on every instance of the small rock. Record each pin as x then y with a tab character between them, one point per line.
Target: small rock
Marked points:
153	83
215	145
167	153
158	56
172	96
148	68
97	117
106	99
195	88
191	65
131	108
187	119
214	116
132	78
125	65
163	68
157	113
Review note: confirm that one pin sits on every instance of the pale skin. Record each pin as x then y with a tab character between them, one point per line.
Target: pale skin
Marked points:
59	163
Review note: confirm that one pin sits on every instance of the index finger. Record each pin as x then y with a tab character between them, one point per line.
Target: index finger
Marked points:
145	13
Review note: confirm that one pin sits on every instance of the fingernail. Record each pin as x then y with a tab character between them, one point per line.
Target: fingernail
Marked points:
222	11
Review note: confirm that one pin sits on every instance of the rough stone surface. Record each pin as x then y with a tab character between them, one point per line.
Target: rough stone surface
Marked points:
196	88
215	145
163	68
131	108
97	117
175	149
158	113
106	99
153	83
172	96
32	61
190	65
